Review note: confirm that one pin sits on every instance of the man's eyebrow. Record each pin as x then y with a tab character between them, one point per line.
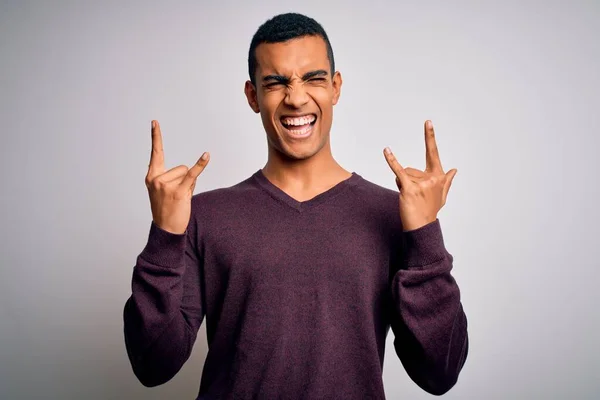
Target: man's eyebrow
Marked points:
276	78
313	74
305	77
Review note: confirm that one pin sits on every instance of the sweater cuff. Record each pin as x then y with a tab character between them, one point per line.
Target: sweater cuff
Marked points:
424	245
164	249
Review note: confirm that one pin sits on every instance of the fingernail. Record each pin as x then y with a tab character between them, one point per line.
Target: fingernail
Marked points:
205	156
429	124
387	150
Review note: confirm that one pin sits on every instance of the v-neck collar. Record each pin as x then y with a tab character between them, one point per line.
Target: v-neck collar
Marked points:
261	180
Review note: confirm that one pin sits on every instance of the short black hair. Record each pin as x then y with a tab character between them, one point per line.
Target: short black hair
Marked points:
284	27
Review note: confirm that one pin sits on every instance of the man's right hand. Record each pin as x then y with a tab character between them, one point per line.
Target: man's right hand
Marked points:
171	191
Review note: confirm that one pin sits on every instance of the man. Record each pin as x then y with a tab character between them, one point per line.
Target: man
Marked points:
301	269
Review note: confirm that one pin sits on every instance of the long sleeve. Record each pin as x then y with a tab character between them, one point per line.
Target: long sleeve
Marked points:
164	313
428	321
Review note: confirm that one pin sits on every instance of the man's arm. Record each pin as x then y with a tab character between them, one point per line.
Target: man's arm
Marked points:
164	312
428	321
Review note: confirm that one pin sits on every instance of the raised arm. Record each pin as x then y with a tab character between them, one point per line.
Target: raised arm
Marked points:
165	310
428	319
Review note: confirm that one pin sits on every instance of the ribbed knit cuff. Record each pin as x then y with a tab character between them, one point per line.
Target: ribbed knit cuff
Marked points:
164	248
425	245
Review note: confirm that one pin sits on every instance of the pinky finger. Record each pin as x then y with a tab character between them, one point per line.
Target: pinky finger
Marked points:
196	170
398	170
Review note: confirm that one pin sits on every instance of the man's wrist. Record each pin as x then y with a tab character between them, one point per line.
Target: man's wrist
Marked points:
425	245
413	225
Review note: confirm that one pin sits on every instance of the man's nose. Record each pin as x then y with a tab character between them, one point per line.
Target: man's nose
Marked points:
296	96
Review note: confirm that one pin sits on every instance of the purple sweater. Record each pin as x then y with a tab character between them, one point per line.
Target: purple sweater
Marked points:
298	296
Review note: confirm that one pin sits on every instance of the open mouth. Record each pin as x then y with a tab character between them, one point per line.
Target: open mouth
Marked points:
300	126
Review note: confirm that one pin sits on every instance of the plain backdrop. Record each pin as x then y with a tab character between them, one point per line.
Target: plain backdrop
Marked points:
512	88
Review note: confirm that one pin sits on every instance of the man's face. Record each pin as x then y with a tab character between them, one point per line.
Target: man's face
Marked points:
295	94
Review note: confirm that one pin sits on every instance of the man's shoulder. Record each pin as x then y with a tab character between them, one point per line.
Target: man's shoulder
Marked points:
375	191
225	196
378	202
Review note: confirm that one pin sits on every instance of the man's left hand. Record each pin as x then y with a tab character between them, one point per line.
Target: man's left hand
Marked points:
422	193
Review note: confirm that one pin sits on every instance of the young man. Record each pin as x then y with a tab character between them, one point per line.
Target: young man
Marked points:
301	269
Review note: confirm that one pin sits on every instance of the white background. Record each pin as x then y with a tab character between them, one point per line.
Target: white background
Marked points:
512	88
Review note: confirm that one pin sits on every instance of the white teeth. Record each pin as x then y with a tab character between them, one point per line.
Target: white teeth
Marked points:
300	131
299	121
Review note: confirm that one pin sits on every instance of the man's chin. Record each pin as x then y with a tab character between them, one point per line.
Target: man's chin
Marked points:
296	155
300	153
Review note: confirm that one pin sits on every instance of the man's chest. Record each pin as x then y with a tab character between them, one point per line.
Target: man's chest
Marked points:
301	252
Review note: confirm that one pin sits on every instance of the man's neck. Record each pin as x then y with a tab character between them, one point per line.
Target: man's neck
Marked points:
305	179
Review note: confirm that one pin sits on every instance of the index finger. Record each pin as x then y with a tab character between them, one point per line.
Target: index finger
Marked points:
157	157
432	155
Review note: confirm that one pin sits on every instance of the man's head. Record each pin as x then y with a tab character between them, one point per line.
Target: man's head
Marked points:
293	84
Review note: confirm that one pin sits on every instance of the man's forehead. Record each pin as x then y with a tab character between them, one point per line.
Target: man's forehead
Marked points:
296	55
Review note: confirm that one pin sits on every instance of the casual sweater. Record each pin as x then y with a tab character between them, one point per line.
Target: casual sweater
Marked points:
298	296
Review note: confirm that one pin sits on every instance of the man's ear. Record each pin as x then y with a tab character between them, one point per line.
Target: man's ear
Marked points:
337	86
250	91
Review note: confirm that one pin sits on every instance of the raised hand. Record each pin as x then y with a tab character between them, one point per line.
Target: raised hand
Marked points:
422	193
171	191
